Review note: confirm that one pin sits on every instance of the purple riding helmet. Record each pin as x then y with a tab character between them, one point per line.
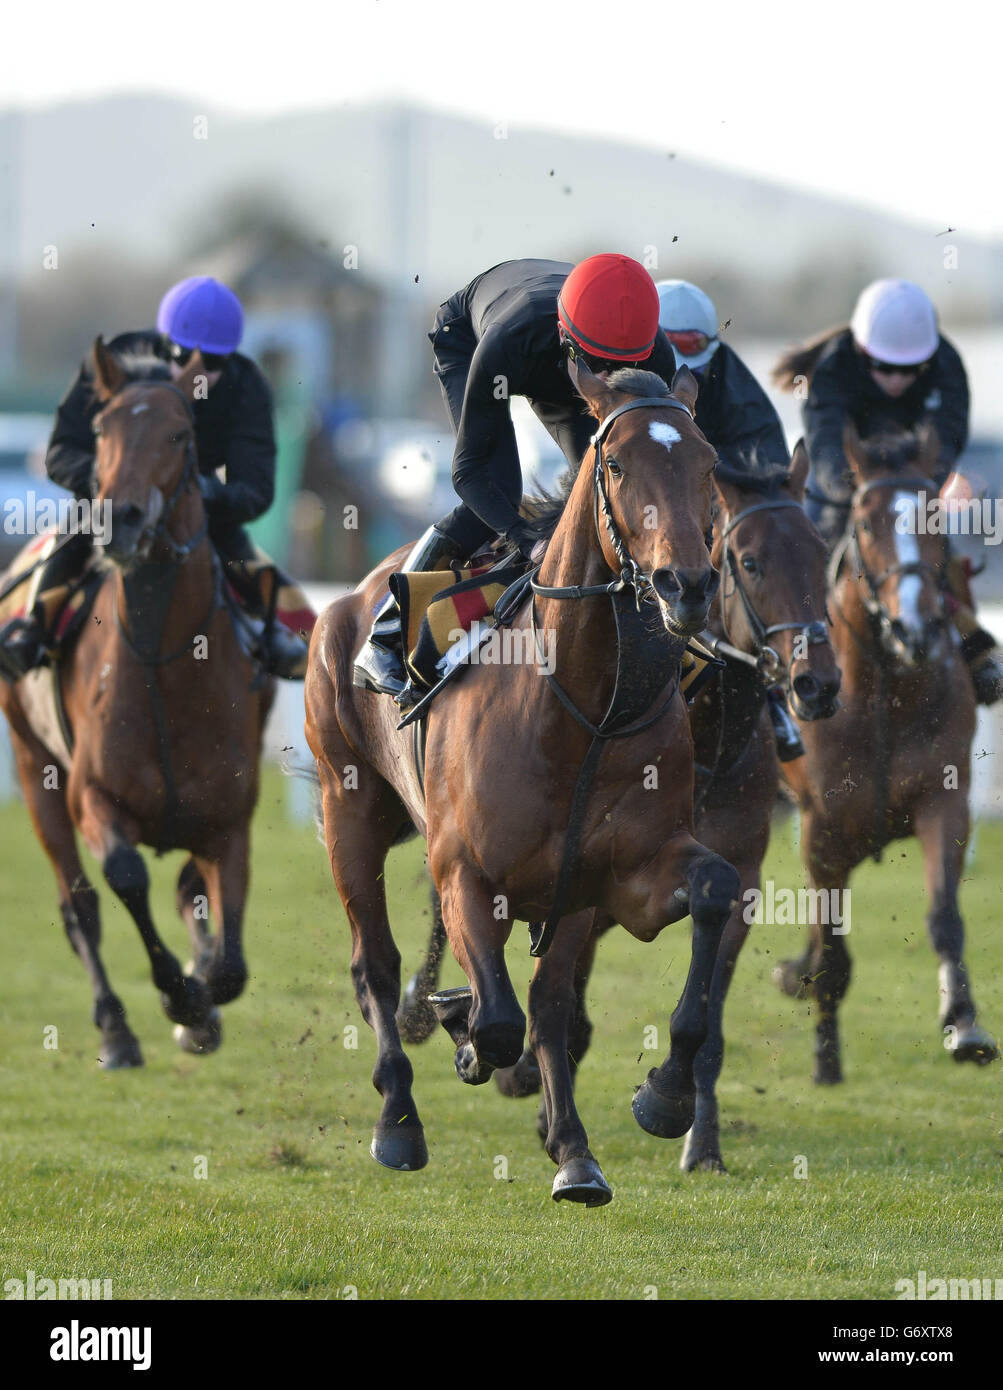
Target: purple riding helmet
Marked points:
201	313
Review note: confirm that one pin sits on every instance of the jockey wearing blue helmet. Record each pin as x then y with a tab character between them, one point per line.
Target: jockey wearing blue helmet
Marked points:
234	437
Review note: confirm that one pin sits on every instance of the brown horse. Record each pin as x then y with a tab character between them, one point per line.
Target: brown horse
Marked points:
770	618
895	760
166	732
505	761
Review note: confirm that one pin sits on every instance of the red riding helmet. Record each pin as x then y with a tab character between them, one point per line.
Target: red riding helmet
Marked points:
609	306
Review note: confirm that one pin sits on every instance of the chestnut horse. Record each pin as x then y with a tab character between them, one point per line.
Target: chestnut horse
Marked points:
895	761
504	774
770	618
166	731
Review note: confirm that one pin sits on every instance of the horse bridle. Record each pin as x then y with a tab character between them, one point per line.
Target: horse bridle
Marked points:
767	659
631	575
849	547
159	534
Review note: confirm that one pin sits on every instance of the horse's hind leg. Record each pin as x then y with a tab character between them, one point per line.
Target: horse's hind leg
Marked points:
78	901
489	1028
416	1018
703	1142
192	898
942	829
360	826
665	1104
112	840
554	996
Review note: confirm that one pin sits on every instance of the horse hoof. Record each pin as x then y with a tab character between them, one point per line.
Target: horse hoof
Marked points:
470	1071
201	1041
521	1080
788	978
581	1180
401	1147
828	1076
666	1117
973	1044
121	1053
500	1044
702	1161
193	1008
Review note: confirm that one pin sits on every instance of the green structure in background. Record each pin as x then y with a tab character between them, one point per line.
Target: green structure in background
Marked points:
293	415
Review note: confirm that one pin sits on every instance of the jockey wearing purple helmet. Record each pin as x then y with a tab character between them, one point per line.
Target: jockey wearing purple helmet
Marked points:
233	433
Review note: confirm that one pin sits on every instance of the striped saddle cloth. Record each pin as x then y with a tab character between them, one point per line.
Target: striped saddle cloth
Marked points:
440	607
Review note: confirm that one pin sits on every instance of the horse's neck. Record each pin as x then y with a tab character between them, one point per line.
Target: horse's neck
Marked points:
583	631
858	650
162	602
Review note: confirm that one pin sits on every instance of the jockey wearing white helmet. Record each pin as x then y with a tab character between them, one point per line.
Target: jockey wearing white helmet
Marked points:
891	370
733	410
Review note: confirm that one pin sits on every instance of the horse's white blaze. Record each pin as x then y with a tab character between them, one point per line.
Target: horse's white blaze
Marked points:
138	409
906	506
664	434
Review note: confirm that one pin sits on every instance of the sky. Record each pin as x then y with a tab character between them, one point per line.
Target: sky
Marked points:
889	104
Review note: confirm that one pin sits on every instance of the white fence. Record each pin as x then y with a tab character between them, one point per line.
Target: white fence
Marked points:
284	738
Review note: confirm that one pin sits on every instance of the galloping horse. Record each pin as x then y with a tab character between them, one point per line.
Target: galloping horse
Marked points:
770	619
625	581
166	731
895	760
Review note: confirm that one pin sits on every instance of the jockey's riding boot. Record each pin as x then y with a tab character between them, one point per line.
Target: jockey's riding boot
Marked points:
380	664
283	653
785	731
22	647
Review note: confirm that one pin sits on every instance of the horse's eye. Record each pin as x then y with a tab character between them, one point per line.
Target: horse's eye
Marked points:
179	437
749	563
615	470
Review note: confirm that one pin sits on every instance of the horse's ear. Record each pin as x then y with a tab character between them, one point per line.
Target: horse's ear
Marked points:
685	387
109	378
854	450
928	448
798	475
189	378
592	389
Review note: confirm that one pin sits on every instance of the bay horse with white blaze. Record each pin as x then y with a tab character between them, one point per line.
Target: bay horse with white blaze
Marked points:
505	761
769	620
895	761
166	729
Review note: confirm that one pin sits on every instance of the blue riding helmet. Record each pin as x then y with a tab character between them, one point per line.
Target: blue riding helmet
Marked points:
201	313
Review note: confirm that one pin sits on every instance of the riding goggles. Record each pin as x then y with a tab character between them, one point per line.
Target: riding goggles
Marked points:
213	361
690	342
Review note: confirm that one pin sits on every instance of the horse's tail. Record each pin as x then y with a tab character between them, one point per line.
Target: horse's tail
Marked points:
307	772
801	361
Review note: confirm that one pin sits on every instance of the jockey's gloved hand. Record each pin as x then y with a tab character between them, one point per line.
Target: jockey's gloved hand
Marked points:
524	536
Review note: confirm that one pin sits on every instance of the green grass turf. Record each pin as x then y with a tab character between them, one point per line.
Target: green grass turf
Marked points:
97	1169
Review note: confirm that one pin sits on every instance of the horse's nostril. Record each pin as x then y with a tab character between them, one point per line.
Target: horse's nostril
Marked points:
128	514
665	582
806	687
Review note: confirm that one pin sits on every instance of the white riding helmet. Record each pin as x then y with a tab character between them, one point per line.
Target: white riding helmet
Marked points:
684	308
895	322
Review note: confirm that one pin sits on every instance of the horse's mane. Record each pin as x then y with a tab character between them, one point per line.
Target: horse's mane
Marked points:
766	482
892	451
543	508
142	365
802	361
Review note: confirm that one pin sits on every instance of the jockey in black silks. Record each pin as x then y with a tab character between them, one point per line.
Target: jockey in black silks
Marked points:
891	370
518	324
735	414
234	434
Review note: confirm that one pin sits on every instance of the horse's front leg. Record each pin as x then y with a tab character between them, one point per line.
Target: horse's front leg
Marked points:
554	1004
111	836
942	829
665	1104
